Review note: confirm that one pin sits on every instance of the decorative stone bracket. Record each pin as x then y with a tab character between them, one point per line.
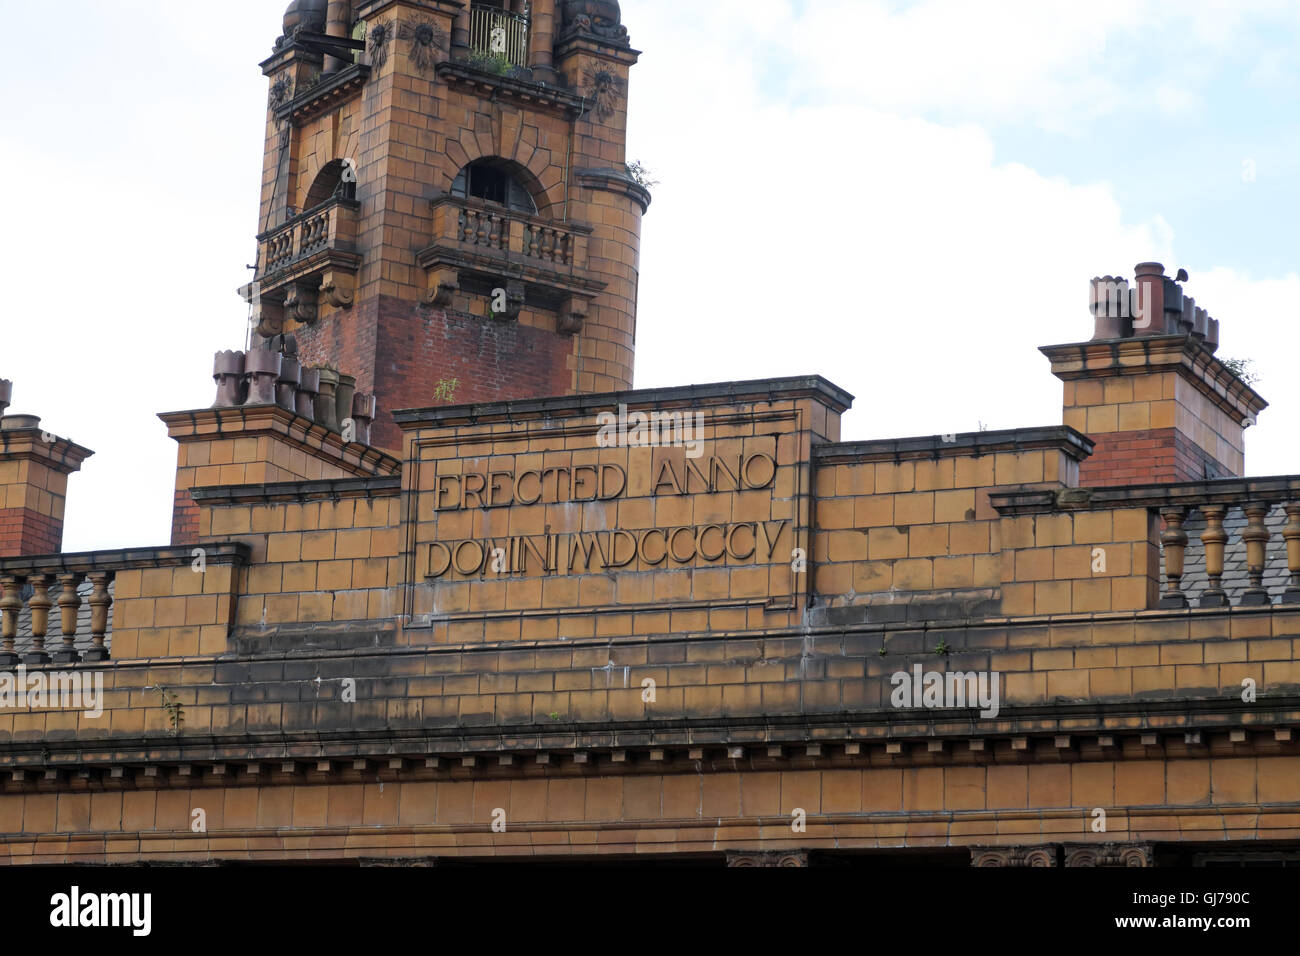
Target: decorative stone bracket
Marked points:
444	283
1040	855
789	858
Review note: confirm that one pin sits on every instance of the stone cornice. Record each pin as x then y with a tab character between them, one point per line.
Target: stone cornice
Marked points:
318	441
1184	354
1167	729
684	396
1072	443
1226	491
518	92
30	443
299	491
611	180
576	43
326	95
125	559
373	8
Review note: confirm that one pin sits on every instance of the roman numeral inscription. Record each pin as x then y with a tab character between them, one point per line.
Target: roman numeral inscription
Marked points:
606	548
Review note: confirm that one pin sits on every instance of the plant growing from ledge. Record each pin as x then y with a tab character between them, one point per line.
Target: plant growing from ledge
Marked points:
554	715
1243	369
494	63
446	390
640	175
174	708
943	648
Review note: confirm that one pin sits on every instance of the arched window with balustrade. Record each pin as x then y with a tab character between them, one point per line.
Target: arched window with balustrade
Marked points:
495	181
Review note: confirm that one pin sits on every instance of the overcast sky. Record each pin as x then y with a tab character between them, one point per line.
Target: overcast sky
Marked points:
907	198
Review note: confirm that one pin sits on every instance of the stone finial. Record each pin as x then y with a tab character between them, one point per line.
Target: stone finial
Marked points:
6	394
261	370
305	397
228	372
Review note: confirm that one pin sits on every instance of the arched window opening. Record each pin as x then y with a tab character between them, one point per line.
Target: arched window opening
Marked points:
492	181
331	183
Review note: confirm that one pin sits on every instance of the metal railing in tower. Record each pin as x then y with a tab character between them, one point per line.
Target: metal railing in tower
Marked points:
497	32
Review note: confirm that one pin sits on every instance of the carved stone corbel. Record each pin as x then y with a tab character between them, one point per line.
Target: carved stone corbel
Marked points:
300	302
443	285
787	858
515	298
573	312
268	317
1040	855
339	288
1108	854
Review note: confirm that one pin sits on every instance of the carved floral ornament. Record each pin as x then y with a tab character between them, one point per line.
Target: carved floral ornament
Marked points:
604	89
378	39
281	90
425	39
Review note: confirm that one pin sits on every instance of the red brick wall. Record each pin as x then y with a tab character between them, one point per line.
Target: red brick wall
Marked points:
400	352
26	532
185	519
1150	456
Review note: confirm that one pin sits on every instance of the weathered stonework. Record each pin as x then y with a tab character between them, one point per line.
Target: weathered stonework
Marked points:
524	624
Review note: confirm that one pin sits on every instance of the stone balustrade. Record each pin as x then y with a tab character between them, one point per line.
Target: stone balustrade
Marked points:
68	590
329	226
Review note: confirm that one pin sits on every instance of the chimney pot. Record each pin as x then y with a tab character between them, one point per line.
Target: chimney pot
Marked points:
1150	299
305	398
228	371
6	394
327	412
286	386
261	369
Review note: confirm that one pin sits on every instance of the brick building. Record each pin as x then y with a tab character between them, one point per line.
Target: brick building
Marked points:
442	588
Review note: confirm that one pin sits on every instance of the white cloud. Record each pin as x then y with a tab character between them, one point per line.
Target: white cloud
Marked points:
895	256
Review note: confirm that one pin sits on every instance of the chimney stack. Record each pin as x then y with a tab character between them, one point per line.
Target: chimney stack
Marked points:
34	469
1148	390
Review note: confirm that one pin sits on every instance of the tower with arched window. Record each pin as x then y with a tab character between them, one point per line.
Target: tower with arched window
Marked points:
446	206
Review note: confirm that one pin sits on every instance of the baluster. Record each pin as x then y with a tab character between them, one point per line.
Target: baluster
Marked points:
532	240
100	600
480	229
1213	538
462	226
494	231
1174	538
566	248
1256	537
1292	534
39	604
10	605
69	604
